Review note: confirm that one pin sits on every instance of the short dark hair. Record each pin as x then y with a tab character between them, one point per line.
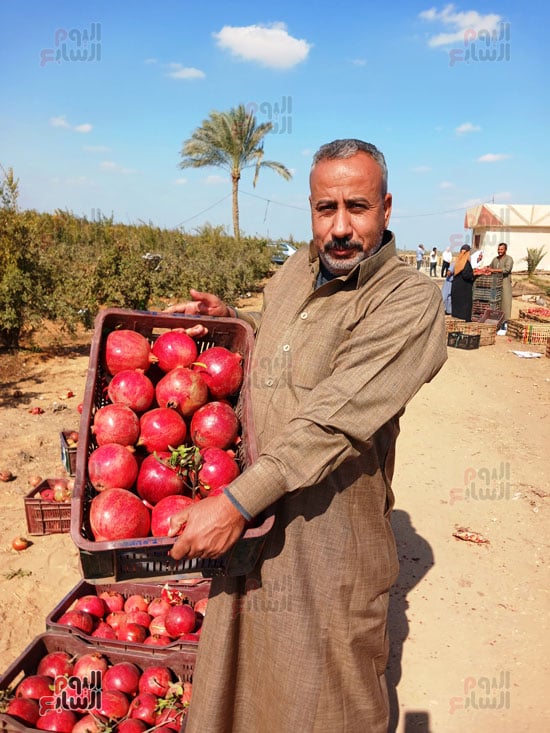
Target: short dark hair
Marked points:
349	147
503	244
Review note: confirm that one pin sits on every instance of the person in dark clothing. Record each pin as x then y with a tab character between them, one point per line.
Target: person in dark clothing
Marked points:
463	285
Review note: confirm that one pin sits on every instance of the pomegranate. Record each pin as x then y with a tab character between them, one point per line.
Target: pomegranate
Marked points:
144	707
55	664
60	721
157	640
114	705
131	387
157	607
116	619
200	606
90	723
125	349
183	390
112	599
131	725
34	686
222	371
174	348
139	617
163	510
134	633
123	676
117	514
171	718
160	429
156	680
23	709
92	604
215	425
77	620
103	631
135	602
112	466
20	543
88	663
157	479
115	424
218	469
158	626
179	620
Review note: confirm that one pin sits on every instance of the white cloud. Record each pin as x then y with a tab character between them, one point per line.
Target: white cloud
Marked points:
446	184
467	127
359	62
109	165
422	169
269	45
61	121
492	157
151	61
180	181
458	23
184	72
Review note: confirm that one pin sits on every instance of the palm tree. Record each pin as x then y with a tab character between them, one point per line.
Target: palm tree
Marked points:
231	140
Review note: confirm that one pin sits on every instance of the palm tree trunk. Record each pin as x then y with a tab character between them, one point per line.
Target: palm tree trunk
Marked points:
235	190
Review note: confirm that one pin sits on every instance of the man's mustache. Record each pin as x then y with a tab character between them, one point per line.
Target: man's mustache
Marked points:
342	244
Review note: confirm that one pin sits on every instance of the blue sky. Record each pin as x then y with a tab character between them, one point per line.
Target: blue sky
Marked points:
454	95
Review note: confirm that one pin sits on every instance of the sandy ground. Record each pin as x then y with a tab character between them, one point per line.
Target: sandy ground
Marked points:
469	630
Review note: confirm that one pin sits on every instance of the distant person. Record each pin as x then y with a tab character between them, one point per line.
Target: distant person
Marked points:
476	257
420	252
446	259
433	262
446	290
504	263
463	285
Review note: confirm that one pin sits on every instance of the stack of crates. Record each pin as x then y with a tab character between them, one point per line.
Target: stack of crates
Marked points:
487	294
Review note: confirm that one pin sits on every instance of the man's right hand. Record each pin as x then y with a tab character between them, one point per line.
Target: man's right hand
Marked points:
203	304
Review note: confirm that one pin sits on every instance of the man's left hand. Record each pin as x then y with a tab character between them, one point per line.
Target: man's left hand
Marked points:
212	526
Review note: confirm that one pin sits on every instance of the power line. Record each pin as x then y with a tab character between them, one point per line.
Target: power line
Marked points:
203	211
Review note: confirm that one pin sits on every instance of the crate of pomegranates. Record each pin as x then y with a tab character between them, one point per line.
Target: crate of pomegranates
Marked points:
134	615
48	507
61	683
166	421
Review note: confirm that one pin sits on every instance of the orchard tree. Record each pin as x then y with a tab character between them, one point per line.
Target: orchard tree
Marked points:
231	140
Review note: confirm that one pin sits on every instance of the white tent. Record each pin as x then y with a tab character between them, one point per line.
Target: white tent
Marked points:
520	226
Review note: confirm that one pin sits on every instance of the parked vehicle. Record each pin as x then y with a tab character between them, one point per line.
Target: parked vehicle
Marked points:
281	251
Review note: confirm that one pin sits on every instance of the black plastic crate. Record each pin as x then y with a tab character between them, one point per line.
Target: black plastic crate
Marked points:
459	340
147	558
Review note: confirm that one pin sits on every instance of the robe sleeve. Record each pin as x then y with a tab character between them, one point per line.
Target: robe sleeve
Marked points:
390	354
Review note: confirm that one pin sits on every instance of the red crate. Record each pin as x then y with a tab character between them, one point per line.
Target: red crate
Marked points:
191	592
47	517
181	662
147	558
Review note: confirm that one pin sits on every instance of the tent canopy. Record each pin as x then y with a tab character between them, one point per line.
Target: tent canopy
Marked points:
506	216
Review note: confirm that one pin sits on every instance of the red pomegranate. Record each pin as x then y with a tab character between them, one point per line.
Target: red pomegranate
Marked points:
111	466
214	425
160	429
174	348
166	508
157	479
115	424
183	390
126	349
117	514
222	371
131	387
218	470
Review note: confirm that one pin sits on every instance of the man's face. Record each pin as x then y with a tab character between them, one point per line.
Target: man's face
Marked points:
501	250
348	211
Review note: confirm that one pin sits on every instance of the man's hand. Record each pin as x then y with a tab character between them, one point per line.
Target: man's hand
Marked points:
203	304
212	526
